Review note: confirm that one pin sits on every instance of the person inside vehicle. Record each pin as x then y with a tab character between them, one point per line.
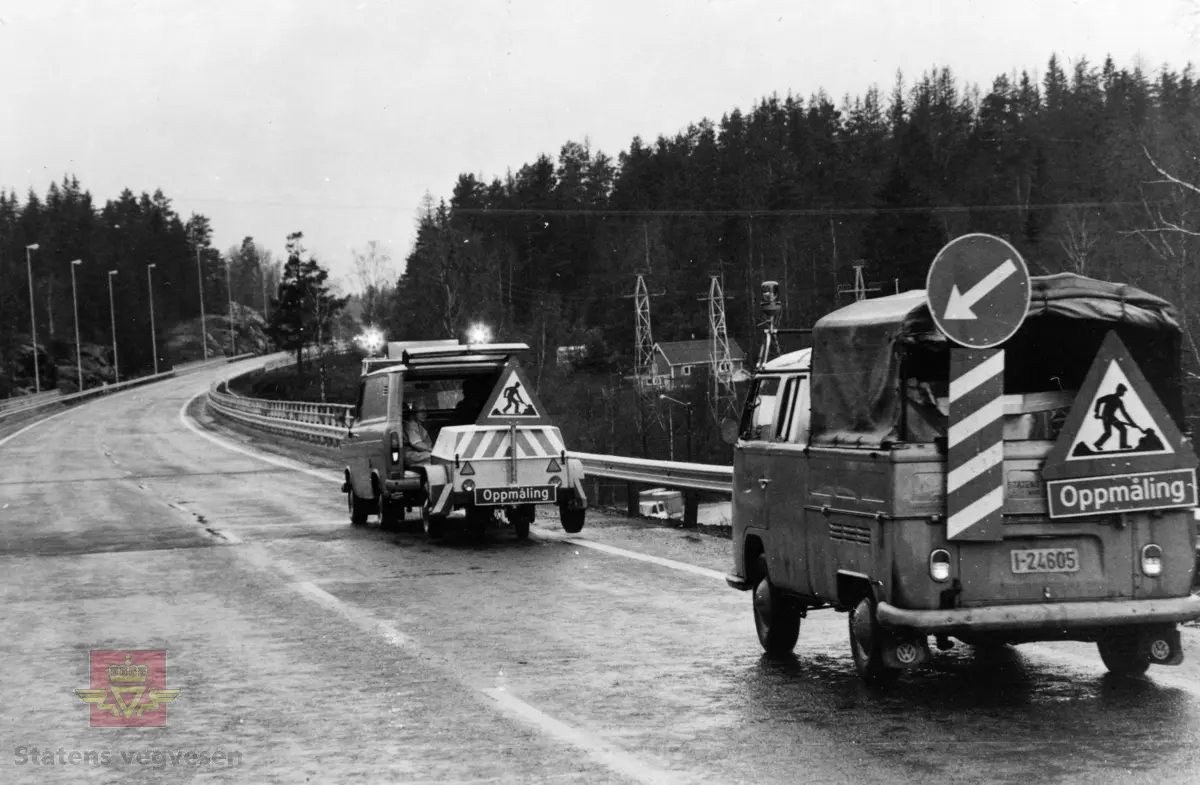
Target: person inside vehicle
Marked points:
418	447
475	393
927	414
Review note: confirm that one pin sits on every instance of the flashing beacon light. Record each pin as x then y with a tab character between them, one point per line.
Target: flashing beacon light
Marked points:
479	333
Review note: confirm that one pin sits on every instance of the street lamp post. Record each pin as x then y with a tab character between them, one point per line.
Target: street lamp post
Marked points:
153	335
113	312
691	503
229	290
75	307
37	375
200	275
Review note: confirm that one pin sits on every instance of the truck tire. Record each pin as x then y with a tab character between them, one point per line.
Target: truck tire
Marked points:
357	508
776	617
434	525
866	644
572	520
1120	655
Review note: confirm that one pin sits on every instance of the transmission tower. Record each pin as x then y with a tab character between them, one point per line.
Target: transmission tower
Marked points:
643	339
860	288
722	396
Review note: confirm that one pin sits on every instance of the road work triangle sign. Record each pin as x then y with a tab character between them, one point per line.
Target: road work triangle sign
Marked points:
513	400
1117	424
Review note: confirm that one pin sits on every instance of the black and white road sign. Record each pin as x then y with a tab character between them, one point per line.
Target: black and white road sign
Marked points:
978	290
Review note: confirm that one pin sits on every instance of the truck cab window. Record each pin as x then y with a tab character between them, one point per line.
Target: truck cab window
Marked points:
762	409
374	399
800	405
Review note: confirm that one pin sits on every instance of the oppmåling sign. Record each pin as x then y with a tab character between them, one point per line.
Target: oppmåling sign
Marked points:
1122	493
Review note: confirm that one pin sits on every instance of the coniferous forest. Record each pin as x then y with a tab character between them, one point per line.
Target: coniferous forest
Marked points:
1091	169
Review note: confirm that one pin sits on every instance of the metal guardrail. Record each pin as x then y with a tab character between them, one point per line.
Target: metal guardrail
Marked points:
23	401
84	395
672	474
316	422
324	423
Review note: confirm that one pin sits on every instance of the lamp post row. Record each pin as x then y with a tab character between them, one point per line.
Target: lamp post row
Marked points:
37	374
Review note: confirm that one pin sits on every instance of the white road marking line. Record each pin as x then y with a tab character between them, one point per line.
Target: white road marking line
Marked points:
286	464
619	761
32	425
605	754
661	562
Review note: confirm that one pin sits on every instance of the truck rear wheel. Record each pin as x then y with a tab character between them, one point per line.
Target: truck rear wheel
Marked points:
866	644
1120	655
391	512
776	617
357	508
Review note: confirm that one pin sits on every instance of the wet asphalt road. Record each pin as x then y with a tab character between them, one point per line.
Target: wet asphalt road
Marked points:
321	653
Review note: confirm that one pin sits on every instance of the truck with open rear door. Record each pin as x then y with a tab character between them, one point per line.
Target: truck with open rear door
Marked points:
840	490
493	448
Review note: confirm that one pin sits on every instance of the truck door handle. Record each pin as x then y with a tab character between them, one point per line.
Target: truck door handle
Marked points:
763	482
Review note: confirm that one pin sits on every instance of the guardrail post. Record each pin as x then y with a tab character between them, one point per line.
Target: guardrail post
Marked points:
691	509
631	499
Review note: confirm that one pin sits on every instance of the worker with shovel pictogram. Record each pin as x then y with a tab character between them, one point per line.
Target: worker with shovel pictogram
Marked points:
1107	409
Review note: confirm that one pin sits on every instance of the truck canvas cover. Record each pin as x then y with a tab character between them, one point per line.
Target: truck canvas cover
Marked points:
862	353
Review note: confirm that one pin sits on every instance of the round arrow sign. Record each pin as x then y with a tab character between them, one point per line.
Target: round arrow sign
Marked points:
978	290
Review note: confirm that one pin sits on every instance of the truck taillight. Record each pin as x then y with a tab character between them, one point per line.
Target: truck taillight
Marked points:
1152	560
395	443
939	565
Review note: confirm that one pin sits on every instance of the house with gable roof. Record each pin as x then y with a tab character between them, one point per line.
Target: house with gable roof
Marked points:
675	362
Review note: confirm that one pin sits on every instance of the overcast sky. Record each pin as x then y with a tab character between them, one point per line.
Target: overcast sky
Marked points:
334	118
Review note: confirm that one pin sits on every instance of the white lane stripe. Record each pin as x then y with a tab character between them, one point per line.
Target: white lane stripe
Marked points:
661	562
616	759
975	467
992	366
985	415
974	512
605	754
324	476
33	425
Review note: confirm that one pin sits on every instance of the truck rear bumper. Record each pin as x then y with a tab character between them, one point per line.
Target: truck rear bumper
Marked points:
1042	616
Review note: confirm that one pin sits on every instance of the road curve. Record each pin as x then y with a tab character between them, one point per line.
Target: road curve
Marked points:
318	652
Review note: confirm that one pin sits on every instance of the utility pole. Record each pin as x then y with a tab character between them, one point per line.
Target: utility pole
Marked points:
112	310
37	374
153	335
75	308
229	290
860	288
200	276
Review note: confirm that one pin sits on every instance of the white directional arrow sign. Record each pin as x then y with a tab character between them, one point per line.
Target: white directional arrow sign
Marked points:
959	305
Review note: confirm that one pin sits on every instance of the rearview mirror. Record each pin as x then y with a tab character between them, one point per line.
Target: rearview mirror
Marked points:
729	431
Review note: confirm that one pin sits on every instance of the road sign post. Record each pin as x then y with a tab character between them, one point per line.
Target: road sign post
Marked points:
978	291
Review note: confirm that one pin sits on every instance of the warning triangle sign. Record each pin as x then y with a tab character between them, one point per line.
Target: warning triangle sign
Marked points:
513	400
1117	424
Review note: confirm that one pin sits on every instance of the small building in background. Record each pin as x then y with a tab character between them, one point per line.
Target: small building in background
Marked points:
675	362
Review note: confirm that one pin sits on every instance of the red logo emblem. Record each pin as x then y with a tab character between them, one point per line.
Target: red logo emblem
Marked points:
128	689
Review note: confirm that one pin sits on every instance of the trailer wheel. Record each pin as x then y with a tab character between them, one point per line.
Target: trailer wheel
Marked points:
572	520
866	644
434	525
776	617
1120	655
521	517
357	508
391	513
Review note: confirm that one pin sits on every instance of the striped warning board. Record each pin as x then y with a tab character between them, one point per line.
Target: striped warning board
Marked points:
975	459
531	442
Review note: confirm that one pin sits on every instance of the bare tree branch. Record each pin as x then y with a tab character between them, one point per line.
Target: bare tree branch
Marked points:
1167	175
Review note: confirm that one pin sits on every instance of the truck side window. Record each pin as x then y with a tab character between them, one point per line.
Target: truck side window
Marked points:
801	412
762	408
784	420
374	404
358	406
